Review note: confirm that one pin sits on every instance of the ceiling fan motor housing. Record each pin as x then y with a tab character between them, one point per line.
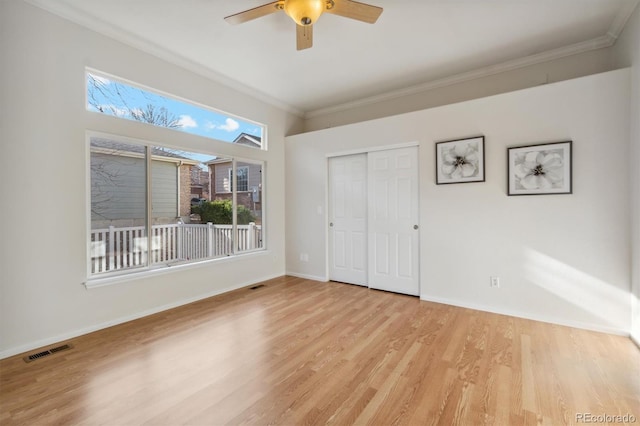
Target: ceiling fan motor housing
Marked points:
305	12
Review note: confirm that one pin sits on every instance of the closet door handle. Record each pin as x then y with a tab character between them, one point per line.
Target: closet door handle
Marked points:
415	226
330	223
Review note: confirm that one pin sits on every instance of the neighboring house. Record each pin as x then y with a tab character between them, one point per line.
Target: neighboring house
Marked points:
118	184
199	183
249	178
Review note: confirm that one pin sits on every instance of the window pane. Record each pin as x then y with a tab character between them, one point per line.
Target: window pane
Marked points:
110	96
249	208
187	225
191	206
118	206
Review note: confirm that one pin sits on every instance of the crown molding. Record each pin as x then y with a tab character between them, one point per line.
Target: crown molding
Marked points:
604	41
549	55
621	18
76	16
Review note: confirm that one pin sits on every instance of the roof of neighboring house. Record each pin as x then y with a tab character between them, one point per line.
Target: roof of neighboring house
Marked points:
249	140
109	146
242	139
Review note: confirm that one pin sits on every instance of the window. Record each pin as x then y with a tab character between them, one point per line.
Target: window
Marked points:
142	220
152	206
242	178
112	96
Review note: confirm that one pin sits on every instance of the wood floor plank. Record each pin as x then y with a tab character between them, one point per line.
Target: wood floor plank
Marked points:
307	353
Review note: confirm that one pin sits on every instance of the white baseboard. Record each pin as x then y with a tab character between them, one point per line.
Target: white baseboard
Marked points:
541	318
308	277
85	330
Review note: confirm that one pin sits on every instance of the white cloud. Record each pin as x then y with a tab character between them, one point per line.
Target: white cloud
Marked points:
230	125
186	121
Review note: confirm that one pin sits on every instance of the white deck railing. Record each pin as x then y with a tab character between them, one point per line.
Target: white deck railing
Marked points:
120	248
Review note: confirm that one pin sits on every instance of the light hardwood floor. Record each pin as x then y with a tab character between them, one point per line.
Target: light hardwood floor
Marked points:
303	352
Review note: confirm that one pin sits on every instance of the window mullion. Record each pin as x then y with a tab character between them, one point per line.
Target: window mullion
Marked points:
149	209
234	199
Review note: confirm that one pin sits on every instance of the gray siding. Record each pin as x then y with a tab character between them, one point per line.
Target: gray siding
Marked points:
118	188
164	187
222	183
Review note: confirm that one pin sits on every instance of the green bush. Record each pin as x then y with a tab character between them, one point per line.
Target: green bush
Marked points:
220	212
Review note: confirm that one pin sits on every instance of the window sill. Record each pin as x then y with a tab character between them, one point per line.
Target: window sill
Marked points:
157	270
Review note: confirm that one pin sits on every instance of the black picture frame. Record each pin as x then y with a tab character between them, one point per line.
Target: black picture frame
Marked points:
540	169
460	161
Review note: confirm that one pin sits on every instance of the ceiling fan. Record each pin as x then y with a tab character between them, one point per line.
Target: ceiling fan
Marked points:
306	12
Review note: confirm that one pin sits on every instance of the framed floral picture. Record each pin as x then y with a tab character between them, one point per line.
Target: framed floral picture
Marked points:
539	169
460	161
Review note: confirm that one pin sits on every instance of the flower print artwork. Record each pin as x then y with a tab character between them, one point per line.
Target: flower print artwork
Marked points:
540	169
460	161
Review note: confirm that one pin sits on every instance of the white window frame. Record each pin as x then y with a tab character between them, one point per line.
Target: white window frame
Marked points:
117	275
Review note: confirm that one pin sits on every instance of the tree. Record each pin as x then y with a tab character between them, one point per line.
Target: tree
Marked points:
113	98
156	116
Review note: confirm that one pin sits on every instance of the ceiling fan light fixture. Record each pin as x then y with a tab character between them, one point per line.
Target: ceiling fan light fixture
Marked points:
304	12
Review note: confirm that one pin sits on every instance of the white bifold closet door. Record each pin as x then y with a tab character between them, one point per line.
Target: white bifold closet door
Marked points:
374	212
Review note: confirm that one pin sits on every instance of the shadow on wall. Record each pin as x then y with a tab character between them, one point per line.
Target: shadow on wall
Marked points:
590	294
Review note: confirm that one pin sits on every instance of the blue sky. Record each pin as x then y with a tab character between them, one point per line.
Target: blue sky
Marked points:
120	99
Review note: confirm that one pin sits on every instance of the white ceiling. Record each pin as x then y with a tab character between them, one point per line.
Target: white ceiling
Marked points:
414	43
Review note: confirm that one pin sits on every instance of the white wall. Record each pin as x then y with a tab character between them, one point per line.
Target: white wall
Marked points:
578	65
44	179
627	53
561	258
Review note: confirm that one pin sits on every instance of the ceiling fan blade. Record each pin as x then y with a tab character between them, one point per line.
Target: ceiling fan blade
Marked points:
356	10
304	36
256	12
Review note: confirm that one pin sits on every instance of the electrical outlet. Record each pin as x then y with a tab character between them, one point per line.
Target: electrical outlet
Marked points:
304	257
494	282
